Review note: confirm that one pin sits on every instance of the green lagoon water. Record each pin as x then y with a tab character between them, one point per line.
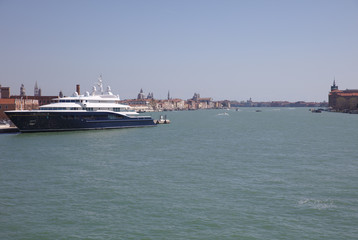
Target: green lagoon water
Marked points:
276	174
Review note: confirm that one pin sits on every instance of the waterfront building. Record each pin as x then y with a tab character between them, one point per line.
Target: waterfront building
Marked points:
225	104
17	102
42	100
7	104
170	105
343	100
192	105
139	105
179	104
198	102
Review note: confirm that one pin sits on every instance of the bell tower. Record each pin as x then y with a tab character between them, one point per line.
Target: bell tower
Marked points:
36	90
334	86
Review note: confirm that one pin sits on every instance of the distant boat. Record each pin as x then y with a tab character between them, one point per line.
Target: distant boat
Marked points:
163	120
258	111
316	110
80	112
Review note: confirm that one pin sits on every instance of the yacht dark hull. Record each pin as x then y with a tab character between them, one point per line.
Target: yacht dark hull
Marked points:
51	121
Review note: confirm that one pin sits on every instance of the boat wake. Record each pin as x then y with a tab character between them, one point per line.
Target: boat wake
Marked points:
222	114
316	204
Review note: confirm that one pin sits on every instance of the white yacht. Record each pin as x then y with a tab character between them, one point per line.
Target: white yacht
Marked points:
95	110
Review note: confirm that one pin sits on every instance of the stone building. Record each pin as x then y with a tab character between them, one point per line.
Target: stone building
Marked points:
343	100
8	104
198	102
4	92
141	94
21	102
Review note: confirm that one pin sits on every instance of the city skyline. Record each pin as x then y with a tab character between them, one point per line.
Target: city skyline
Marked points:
235	50
37	91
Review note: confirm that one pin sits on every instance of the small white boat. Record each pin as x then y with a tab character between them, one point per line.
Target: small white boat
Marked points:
162	120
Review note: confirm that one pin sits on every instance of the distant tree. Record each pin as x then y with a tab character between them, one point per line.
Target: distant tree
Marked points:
341	103
353	103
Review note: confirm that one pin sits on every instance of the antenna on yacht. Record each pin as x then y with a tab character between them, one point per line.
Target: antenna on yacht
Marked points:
100	84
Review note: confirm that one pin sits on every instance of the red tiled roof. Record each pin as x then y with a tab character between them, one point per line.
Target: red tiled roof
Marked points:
7	101
344	94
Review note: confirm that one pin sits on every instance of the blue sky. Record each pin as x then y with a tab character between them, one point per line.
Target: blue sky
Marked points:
264	49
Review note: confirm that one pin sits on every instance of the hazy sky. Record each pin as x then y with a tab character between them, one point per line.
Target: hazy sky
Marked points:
264	49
